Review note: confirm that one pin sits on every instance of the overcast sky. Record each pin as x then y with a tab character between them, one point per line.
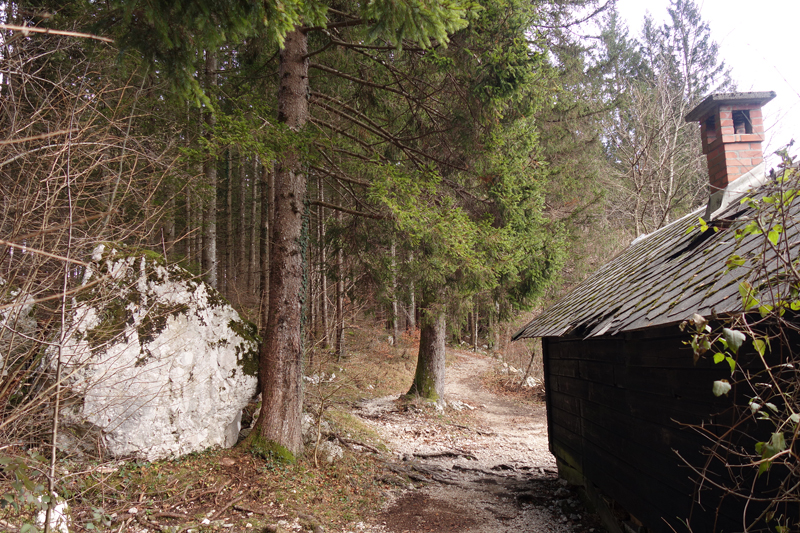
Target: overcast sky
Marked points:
758	41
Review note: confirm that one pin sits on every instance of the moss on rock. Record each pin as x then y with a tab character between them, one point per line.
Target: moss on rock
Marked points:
173	343
248	358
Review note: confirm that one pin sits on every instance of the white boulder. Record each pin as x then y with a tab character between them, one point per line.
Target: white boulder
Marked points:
59	515
155	358
17	327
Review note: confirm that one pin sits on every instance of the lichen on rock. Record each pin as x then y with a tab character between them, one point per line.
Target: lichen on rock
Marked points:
156	358
17	325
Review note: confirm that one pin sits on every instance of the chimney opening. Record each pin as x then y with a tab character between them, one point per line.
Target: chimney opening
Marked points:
711	128
741	122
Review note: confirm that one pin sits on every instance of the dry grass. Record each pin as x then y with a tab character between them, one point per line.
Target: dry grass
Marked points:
231	486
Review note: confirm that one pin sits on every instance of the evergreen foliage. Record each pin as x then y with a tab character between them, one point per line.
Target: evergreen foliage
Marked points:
454	149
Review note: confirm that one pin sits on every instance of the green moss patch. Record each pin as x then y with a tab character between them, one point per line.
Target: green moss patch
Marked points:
248	358
270	451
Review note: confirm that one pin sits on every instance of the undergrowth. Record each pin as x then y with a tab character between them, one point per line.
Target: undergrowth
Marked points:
228	489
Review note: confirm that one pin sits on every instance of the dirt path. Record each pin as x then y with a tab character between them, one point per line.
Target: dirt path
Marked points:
493	476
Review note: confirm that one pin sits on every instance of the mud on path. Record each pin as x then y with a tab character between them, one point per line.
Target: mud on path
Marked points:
492	475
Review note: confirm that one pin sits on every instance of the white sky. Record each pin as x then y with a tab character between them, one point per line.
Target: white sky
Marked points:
758	41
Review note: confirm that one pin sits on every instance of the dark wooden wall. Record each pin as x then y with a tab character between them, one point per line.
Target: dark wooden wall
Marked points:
617	409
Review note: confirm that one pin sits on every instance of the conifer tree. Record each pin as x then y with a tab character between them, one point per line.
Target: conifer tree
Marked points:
160	31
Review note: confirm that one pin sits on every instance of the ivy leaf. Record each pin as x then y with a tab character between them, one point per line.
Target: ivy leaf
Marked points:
774	234
699	322
760	346
731	363
777	442
721	387
795	417
733	262
719	357
751	228
746	291
734	339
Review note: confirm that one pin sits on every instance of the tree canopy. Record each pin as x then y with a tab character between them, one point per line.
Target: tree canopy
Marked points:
437	157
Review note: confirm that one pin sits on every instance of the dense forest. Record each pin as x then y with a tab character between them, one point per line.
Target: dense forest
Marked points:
441	166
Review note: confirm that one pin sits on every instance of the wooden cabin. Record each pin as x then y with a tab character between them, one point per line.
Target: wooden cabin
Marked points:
629	410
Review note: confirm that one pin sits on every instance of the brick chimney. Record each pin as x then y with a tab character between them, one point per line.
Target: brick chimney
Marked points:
732	129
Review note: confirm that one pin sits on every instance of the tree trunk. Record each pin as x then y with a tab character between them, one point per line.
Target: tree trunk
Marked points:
187	236
475	327
168	228
312	309
210	171
323	261
493	326
395	315
267	219
429	376
196	228
281	358
339	297
229	276
252	265
411	323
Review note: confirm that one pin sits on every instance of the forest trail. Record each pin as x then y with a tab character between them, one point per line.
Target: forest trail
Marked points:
494	475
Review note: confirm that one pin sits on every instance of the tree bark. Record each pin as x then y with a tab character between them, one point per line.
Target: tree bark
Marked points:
243	235
411	323
252	264
430	374
281	358
395	315
475	327
229	275
267	214
323	260
339	297
168	228
210	171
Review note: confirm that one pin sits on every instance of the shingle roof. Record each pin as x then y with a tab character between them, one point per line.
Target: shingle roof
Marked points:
713	100
664	277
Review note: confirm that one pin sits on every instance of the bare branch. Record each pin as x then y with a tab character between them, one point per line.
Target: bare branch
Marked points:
48	31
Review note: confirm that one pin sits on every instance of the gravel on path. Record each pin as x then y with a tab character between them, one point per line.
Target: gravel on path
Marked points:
495	475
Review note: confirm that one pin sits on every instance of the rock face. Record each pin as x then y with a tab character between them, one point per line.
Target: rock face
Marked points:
17	323
155	359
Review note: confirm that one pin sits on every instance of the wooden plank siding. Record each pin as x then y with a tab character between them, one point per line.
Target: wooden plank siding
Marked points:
625	396
616	405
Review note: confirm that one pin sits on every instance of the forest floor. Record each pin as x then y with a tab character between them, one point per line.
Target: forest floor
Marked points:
479	464
489	473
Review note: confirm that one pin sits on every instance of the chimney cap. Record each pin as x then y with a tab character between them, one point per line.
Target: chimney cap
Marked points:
711	101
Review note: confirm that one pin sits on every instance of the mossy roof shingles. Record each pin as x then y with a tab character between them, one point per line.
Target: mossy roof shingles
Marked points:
663	278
